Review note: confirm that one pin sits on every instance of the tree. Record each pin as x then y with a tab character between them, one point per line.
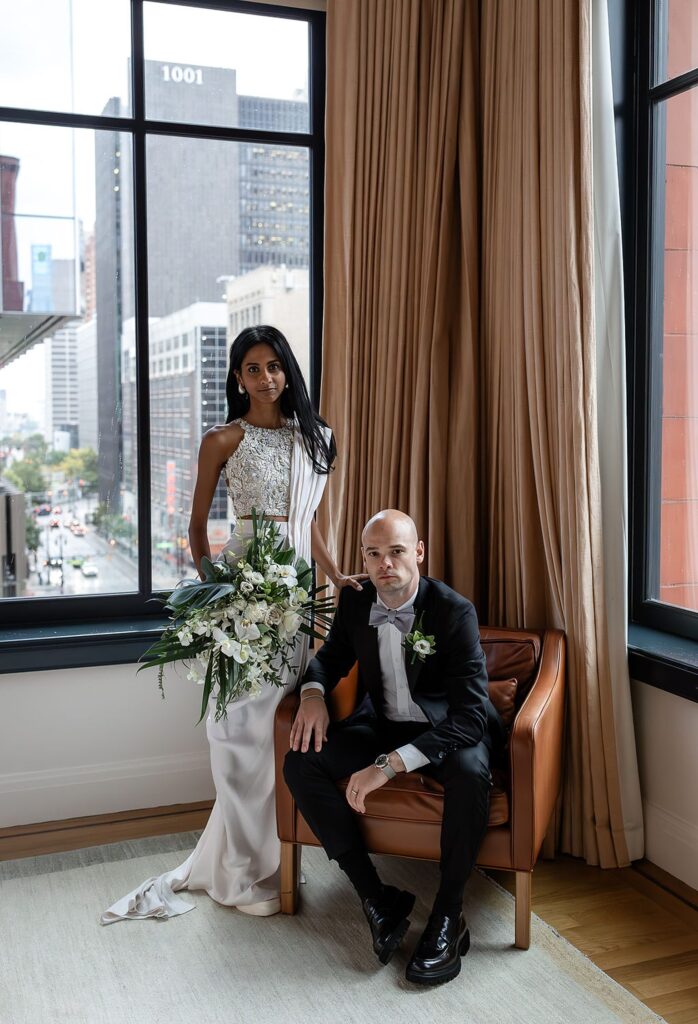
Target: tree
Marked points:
27	475
79	467
32	535
35	448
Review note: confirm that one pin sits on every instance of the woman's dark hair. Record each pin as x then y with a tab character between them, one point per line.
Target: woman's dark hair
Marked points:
295	401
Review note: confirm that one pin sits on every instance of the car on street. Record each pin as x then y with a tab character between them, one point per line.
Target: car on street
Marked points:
54	523
57	510
73	523
89	569
78	531
77	562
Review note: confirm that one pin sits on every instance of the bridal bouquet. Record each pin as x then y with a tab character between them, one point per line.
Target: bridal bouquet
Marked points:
236	630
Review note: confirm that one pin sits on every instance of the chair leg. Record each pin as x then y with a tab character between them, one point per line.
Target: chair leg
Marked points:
522	929
290	876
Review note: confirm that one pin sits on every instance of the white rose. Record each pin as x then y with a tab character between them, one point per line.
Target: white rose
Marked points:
255	578
246	587
291	622
274	616
422	647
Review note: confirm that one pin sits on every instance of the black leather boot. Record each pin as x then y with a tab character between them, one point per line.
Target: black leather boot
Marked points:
438	953
388	920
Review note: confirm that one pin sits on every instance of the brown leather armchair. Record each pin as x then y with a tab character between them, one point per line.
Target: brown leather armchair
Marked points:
404	816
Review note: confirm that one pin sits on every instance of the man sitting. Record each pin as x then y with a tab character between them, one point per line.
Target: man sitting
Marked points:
422	666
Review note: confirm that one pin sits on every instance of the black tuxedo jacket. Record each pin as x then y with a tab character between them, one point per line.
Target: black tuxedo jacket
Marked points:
450	685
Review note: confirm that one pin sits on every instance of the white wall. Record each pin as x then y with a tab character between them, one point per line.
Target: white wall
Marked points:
85	741
667	739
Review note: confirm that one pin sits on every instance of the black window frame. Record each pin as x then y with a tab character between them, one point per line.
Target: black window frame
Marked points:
108	628
663	638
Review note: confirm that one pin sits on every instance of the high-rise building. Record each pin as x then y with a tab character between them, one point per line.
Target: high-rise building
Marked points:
86	360
12	297
274	187
187	396
61	384
89	283
110	284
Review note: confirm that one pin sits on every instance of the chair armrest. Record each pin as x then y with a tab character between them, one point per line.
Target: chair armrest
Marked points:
535	752
285	804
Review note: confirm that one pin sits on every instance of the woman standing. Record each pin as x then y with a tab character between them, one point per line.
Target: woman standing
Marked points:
275	453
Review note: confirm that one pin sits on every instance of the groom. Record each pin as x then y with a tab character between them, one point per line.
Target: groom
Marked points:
432	714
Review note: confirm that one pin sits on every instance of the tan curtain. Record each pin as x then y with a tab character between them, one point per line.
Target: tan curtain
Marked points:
459	367
401	288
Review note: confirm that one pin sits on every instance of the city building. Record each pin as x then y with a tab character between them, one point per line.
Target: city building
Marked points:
13	548
87	386
188	354
277	296
274	187
61	387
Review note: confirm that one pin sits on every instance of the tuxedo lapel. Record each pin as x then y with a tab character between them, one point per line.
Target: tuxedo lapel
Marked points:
421	608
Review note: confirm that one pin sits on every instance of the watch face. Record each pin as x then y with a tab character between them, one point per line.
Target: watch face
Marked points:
382	760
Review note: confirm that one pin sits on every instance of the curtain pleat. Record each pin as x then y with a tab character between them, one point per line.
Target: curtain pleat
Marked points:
459	347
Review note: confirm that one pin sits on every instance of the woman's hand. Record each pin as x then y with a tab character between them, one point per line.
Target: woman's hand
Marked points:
340	580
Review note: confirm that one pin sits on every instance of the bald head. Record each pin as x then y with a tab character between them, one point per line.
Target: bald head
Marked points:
392	553
390	520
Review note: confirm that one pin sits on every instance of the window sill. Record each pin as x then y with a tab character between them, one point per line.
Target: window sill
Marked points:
668	662
44	648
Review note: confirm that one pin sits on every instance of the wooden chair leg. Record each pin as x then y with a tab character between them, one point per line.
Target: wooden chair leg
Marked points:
290	876
522	928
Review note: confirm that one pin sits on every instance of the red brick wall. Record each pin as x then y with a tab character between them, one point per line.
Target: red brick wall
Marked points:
678	566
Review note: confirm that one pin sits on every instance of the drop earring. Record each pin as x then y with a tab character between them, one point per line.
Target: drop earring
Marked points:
241	389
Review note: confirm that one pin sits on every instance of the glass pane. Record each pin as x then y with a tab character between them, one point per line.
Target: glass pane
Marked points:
225	69
677	38
678	555
65	65
236	258
64	525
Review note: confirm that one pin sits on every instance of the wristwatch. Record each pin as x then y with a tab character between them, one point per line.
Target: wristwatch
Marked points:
383	762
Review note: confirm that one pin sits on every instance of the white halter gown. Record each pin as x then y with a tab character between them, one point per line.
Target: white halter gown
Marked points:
236	860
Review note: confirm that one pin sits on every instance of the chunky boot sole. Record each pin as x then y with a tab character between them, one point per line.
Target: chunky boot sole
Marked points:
385	950
439	975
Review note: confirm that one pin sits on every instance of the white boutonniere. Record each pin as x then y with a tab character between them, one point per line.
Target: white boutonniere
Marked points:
418	643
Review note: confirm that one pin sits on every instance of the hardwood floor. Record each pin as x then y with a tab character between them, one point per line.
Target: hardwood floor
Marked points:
631	927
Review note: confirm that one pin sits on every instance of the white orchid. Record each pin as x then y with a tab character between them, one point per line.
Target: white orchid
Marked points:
247	630
185	636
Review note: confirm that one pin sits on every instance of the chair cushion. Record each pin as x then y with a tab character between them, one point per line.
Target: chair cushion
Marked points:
511	654
503	696
412	796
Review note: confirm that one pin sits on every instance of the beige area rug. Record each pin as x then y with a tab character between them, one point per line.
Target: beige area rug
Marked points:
58	966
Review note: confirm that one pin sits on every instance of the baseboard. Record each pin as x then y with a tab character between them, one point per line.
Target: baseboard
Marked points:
671	842
111	786
669	883
98	829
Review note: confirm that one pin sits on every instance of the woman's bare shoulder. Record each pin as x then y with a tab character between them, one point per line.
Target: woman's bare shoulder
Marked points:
221	441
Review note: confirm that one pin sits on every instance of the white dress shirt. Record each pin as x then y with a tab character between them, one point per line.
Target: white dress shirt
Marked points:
399	706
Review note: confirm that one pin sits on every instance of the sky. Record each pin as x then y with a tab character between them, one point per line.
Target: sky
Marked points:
54	55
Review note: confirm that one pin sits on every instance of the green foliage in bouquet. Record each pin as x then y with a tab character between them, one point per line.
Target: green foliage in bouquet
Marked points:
236	629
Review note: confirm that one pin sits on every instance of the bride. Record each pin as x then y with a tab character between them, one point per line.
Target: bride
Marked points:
275	454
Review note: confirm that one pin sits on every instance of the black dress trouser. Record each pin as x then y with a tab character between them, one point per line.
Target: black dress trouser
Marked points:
464	774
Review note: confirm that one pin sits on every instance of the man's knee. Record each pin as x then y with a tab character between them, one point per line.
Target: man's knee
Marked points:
297	765
468	766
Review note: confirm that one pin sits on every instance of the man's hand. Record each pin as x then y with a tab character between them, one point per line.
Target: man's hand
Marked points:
311	720
361	784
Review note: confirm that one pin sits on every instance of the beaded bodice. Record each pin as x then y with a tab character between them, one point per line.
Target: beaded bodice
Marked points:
258	473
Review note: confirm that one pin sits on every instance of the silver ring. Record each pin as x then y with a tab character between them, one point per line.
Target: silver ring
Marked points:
355	791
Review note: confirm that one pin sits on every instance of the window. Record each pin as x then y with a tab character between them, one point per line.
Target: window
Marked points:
100	416
664	346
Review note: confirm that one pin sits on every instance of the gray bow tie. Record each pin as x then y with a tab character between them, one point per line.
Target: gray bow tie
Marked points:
403	619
